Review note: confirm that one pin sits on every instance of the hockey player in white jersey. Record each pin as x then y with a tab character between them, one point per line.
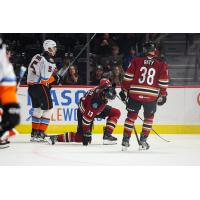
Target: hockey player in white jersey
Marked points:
10	111
41	74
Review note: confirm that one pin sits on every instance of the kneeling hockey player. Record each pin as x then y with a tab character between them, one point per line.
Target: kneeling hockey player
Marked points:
94	105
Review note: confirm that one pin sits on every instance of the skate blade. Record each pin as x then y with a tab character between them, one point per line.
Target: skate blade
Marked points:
141	148
51	142
33	140
4	146
37	140
42	141
106	142
124	148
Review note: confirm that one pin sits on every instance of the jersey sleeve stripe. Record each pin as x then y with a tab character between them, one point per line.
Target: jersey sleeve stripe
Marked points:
86	120
163	80
43	78
8	79
128	74
81	107
13	83
127	78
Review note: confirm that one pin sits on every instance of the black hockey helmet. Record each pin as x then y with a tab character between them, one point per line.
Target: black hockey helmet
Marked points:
109	93
149	46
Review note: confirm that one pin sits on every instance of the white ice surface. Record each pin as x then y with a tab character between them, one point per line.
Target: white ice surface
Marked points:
182	150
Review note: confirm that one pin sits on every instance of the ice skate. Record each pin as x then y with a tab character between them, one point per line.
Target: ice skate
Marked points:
125	142
33	136
51	139
143	142
4	144
4	140
41	136
37	136
108	139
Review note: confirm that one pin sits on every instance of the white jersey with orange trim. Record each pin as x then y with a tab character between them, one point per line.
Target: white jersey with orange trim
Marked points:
40	68
7	80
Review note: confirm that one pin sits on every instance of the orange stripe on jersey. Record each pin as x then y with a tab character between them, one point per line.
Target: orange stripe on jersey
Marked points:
8	94
43	127
35	126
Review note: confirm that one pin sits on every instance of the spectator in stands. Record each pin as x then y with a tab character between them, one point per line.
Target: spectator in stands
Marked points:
65	63
116	75
104	45
97	75
128	57
154	36
116	57
72	77
127	41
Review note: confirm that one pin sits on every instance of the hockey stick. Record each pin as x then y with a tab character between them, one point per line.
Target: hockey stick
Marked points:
156	132
136	135
21	75
125	103
61	72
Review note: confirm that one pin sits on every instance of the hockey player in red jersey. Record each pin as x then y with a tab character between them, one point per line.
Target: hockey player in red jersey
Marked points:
94	105
144	85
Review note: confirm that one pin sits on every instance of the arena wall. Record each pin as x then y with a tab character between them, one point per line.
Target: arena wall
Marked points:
180	115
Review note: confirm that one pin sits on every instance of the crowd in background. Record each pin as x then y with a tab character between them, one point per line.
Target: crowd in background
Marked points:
110	54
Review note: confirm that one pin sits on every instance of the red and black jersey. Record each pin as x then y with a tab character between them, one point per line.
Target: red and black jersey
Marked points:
146	78
91	105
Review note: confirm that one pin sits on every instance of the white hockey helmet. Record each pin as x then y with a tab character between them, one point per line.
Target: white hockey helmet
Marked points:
48	44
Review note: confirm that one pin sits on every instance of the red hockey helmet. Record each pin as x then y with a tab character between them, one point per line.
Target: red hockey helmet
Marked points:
104	81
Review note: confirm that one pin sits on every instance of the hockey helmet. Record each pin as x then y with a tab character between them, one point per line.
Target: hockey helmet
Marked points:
149	46
109	93
48	44
104	81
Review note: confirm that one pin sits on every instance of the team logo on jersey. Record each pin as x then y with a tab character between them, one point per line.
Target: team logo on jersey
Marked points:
198	99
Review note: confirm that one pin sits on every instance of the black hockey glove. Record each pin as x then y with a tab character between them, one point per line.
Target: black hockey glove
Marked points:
122	95
162	100
10	118
87	137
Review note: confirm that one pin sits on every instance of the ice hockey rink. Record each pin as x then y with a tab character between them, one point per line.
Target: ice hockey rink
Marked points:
183	149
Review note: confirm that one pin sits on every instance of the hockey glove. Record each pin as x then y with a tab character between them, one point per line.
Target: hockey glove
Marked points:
10	118
162	100
123	95
50	81
87	137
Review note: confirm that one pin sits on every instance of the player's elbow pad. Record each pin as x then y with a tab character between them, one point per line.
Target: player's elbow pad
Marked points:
11	116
